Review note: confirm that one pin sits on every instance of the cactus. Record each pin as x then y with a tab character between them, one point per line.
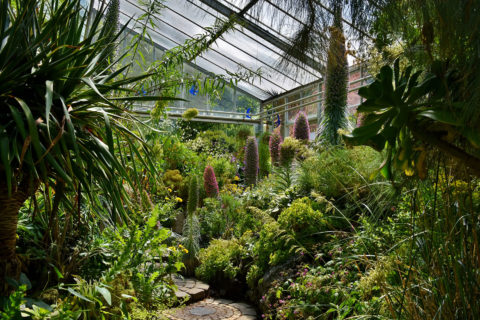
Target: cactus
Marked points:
274	144
301	128
251	161
192	196
210	182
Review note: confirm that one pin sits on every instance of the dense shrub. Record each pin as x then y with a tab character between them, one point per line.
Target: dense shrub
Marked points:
210	182
221	260
301	218
336	172
301	128
224	169
172	178
251	162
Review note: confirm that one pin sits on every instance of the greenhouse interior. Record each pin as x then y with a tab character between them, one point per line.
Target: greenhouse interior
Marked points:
240	159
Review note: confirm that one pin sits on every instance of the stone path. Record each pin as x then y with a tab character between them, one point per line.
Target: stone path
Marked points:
201	307
213	309
191	288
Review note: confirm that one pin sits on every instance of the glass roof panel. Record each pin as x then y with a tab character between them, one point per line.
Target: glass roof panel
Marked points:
239	50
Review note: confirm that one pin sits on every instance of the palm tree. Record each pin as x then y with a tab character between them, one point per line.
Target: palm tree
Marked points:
61	110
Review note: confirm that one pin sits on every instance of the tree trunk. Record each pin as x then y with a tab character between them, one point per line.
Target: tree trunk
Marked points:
9	206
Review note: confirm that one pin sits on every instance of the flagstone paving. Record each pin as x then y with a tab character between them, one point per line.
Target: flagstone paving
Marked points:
201	307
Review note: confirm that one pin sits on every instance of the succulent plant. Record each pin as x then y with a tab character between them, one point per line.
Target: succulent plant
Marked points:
192	196
274	144
210	182
251	161
301	128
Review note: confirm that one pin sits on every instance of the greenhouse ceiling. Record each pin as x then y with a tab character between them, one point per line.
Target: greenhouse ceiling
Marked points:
254	44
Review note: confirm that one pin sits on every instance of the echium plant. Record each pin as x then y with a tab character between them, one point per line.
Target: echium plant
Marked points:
192	196
274	144
264	154
251	161
210	182
109	32
336	83
301	128
288	150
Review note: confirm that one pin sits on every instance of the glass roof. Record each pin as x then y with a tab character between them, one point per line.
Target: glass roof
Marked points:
254	45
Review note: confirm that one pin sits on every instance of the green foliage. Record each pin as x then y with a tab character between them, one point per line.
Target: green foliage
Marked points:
302	219
172	178
336	83
251	161
193	198
413	115
189	114
213	142
221	260
224	169
69	100
288	150
335	172
264	154
191	241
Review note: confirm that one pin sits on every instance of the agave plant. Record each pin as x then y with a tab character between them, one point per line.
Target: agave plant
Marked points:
61	109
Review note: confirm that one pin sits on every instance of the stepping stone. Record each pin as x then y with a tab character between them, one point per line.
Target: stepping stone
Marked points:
193	289
210	310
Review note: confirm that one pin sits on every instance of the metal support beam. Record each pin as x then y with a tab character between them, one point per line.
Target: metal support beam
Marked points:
267	36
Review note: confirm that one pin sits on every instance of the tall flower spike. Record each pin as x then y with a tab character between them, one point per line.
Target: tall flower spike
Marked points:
301	128
251	161
192	196
210	182
274	144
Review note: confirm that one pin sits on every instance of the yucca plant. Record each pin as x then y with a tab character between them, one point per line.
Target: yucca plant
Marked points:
59	112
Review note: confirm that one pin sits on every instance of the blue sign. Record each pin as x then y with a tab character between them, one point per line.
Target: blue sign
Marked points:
248	116
193	90
278	121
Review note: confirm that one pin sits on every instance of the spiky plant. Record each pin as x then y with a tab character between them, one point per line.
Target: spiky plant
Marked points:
264	154
110	31
210	182
192	196
251	161
301	128
60	112
336	83
274	144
